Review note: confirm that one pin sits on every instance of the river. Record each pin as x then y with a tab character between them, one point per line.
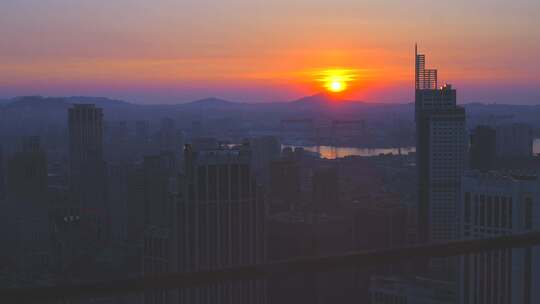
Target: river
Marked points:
333	152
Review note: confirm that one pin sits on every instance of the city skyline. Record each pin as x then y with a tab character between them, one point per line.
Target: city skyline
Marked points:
316	200
171	52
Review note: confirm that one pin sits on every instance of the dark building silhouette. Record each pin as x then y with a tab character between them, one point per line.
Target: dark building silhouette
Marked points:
151	190
87	167
159	196
325	189
293	235
483	149
379	225
220	223
265	150
25	220
66	229
116	139
204	143
440	154
159	182
2	175
284	185
27	171
166	137
142	131
136	205
118	203
142	138
514	141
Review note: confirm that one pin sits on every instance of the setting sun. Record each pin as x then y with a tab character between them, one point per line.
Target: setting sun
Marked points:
336	80
337	86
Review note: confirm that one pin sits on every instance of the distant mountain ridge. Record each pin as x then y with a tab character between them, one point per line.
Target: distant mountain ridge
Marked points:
319	98
57	101
44	111
312	101
212	101
98	101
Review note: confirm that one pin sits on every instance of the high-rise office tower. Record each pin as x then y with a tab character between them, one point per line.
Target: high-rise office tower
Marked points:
440	154
87	168
483	148
494	204
220	223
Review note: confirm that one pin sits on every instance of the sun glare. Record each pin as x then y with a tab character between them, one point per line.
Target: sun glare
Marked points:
337	86
336	80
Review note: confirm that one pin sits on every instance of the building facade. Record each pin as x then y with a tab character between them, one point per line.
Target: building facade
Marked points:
495	204
220	223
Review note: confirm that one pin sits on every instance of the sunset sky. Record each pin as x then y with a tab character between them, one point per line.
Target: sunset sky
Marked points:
166	51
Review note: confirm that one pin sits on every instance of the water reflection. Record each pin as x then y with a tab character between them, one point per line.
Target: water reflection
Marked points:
333	152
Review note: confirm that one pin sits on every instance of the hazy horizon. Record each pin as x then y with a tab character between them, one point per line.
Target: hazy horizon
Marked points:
242	101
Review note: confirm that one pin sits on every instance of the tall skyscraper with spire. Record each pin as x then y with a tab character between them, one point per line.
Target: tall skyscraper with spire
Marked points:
440	154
